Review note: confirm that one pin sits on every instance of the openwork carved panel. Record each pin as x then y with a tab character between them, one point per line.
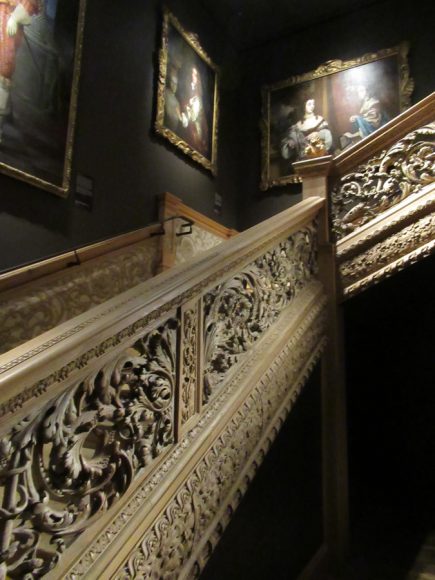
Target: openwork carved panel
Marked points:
67	463
389	256
383	181
238	312
183	537
188	396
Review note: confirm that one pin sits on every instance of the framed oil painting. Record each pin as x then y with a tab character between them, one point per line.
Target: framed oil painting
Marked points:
187	94
40	47
329	109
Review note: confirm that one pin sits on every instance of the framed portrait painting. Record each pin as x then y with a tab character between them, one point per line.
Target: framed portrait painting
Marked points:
187	94
40	48
327	110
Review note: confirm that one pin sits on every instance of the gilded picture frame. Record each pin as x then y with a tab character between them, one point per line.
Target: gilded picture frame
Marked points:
325	111
39	84
187	94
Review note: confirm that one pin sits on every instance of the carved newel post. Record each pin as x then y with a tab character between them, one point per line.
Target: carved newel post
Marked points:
315	174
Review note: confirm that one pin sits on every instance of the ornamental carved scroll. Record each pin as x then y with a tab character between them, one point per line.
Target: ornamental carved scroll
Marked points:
239	311
70	461
384	181
188	395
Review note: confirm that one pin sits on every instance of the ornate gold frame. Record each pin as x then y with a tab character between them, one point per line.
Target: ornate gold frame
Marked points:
62	190
192	40
406	86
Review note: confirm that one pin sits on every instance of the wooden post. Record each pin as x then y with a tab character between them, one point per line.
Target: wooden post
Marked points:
314	173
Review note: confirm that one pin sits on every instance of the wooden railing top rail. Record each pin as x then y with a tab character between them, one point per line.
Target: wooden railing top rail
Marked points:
171	205
143	305
413	118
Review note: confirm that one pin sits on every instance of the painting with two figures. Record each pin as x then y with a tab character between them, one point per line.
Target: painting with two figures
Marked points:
329	110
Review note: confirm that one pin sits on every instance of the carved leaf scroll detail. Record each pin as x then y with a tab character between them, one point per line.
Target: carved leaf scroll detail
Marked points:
239	311
67	463
384	181
189	361
185	528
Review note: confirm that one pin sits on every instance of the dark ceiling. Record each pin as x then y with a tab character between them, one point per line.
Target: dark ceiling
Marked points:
252	22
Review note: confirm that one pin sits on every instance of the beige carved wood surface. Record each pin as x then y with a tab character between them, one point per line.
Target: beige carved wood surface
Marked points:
393	241
206	233
380	196
36	298
383	181
383	213
35	307
130	432
117	452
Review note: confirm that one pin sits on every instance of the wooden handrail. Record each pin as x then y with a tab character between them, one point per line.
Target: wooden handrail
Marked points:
129	399
157	295
24	274
171	205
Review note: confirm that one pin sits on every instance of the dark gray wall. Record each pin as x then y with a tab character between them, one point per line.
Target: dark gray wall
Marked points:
381	25
115	143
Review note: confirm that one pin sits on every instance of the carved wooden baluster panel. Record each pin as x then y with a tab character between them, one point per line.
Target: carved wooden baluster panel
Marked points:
189	393
239	311
71	460
384	181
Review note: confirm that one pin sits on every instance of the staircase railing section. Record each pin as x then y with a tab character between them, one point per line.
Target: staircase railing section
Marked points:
380	197
129	433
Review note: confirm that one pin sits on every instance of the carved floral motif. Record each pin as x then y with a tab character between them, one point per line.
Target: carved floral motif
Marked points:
384	180
382	254
238	312
291	359
189	364
184	535
406	247
71	460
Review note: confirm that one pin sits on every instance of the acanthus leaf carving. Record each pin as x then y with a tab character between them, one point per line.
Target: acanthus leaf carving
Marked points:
183	536
70	461
239	311
384	181
189	361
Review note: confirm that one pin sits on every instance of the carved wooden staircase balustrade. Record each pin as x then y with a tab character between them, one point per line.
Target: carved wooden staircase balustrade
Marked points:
130	433
37	297
381	198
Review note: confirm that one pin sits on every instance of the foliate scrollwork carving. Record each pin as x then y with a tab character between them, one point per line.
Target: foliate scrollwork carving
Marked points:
402	249
239	311
67	463
184	535
188	384
384	180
